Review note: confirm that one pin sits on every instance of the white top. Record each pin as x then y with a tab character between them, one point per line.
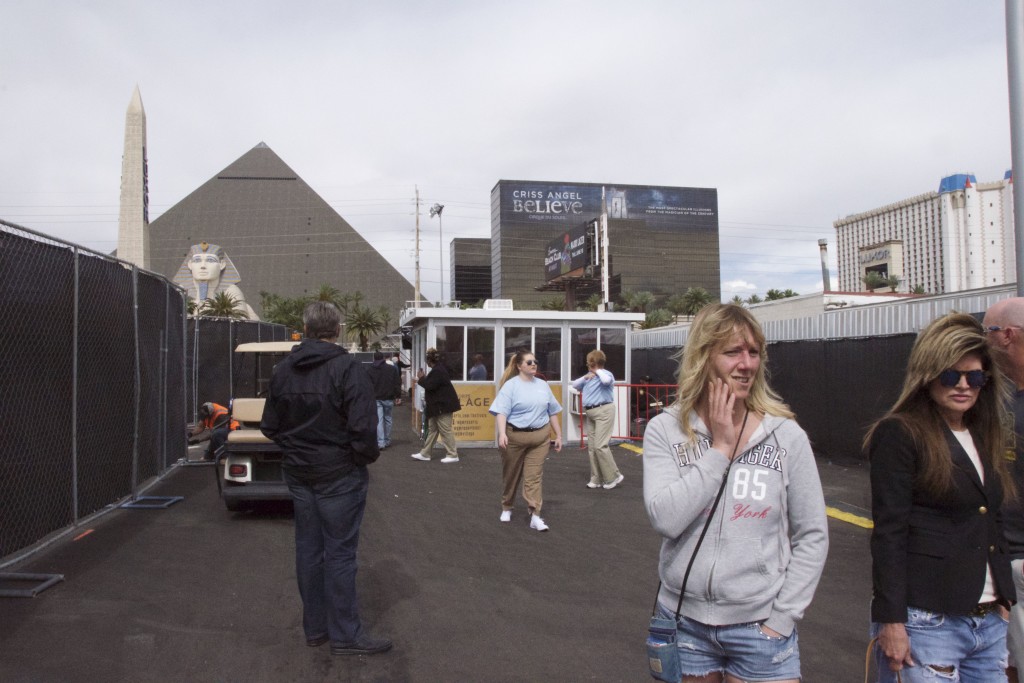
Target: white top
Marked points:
988	593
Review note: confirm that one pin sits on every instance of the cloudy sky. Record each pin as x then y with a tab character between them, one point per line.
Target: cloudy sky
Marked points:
798	111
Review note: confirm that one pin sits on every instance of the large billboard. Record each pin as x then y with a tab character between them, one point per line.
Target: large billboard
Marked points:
660	207
647	225
567	254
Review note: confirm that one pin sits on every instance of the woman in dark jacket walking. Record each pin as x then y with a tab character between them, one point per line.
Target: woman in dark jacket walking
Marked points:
441	402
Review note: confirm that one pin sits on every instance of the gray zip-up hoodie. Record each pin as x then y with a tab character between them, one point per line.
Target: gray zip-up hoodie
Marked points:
765	549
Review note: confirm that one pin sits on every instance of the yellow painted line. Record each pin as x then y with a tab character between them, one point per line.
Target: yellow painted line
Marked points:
856	520
631	447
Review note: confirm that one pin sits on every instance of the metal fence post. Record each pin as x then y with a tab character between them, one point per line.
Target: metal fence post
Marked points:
138	380
74	397
232	331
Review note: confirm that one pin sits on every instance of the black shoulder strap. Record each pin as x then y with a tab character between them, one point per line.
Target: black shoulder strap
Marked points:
704	531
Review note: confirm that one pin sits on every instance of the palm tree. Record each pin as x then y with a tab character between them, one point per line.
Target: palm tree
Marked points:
553	304
738	300
918	289
789	292
659	317
346	301
892	282
329	294
363	321
774	295
676	303
638	302
221	305
694	299
282	310
754	299
591	303
872	280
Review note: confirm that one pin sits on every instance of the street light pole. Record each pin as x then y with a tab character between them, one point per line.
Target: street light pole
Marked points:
436	210
417	295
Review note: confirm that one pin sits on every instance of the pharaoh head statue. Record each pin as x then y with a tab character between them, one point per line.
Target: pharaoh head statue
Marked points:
206	270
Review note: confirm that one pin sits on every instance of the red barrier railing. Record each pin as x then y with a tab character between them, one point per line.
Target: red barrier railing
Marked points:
635	405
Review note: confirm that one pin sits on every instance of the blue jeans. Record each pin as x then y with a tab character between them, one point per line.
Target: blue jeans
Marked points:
327	519
741	650
973	649
384	410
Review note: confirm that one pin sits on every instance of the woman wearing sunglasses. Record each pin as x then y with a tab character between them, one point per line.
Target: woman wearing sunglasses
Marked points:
941	574
526	413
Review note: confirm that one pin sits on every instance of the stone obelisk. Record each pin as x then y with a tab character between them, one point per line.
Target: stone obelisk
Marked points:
133	223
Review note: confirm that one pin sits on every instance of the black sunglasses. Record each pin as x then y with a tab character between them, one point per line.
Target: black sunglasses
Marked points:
530	362
975	378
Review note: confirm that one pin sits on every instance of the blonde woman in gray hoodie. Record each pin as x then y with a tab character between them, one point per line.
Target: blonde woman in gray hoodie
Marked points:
759	562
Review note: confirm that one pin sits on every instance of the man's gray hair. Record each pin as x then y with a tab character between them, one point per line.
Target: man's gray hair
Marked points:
322	320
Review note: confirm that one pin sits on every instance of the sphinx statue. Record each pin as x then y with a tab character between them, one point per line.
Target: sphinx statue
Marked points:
206	272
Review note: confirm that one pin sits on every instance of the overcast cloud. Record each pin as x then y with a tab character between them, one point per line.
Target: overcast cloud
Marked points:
799	112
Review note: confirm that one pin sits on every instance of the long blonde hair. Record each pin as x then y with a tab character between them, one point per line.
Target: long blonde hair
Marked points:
512	369
712	329
941	345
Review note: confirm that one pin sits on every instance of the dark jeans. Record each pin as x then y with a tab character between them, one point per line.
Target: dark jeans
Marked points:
327	519
218	437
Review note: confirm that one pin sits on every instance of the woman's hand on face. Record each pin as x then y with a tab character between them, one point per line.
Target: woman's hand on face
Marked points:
895	644
720	406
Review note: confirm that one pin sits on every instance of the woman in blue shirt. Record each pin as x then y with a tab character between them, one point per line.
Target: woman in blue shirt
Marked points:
526	413
598	389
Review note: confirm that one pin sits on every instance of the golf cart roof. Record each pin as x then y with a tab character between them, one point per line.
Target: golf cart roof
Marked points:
266	347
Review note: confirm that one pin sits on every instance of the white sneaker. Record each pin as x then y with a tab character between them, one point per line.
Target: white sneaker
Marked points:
538	523
420	456
593	485
448	460
506	516
616	482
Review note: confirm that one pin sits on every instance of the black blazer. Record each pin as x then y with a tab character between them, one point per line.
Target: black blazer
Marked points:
931	552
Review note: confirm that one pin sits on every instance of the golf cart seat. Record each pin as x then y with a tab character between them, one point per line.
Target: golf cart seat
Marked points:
249	412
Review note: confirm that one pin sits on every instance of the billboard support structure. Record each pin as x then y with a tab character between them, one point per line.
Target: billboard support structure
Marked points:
605	294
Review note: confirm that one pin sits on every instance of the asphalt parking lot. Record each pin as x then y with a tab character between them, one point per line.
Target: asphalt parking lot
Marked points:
195	593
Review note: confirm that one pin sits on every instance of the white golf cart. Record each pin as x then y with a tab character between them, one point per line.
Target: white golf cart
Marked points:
248	466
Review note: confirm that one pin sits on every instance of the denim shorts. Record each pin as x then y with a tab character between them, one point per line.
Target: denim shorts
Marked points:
741	650
973	647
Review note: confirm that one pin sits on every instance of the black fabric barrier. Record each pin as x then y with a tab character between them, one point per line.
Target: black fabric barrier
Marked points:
92	392
836	387
36	360
106	391
216	372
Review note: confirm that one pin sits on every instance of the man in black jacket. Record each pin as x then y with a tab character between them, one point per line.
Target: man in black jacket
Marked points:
321	412
1004	329
387	387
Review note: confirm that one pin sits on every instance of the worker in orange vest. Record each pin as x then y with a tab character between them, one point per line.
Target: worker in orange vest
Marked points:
215	419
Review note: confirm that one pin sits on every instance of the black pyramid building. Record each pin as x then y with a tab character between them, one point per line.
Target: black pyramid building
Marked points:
280	234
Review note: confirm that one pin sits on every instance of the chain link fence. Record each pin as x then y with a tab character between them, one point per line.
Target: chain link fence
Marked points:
216	372
93	397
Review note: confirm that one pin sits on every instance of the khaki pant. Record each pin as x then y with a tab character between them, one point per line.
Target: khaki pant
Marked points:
523	461
440	426
598	425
